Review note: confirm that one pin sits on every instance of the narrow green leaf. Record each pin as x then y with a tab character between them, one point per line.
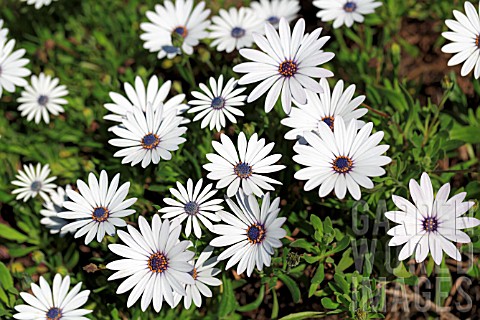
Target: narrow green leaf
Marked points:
304	315
255	304
329	303
6	280
291	285
9	233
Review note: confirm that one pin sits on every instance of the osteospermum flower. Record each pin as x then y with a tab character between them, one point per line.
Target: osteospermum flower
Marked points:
38	3
429	224
245	166
98	207
342	160
217	102
43	97
12	71
155	262
251	234
148	137
53	303
141	96
272	11
175	28
345	12
204	275
34	181
193	205
233	29
324	107
286	65
52	208
465	37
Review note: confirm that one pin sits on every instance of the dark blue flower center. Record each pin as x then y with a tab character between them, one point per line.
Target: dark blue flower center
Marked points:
243	170
288	68
273	20
256	233
36	186
430	224
42	100
180	30
342	164
150	141
170	49
191	208
238	32
158	262
100	214
350	6
54	314
218	103
329	121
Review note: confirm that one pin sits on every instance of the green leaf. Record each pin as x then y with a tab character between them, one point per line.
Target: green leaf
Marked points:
311	259
467	134
21	252
291	285
3	296
342	283
9	233
341	245
329	303
228	304
255	304
304	315
302	243
327	226
317	279
275	307
6	280
317	224
345	262
401	272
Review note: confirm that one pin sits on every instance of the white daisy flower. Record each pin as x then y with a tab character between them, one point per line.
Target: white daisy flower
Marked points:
98	207
233	29
3	31
12	71
53	303
429	224
156	263
342	159
272	11
251	234
39	3
148	137
246	165
345	12
141	96
204	275
465	37
287	63
52	208
194	205
44	96
217	102
34	181
324	107
175	28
